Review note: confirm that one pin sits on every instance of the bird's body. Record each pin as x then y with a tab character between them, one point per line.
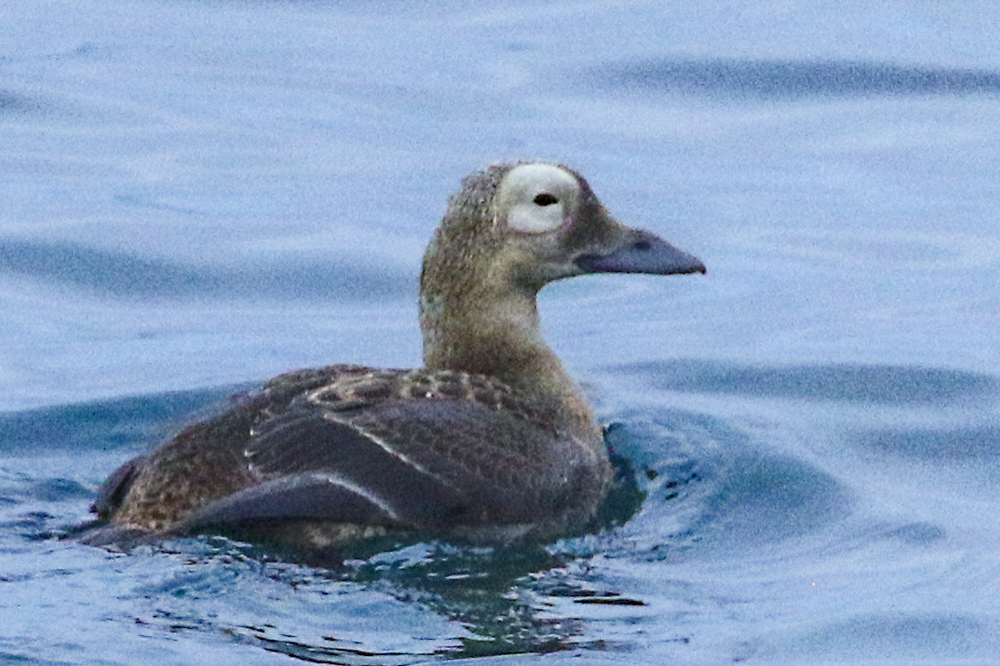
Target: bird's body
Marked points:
491	441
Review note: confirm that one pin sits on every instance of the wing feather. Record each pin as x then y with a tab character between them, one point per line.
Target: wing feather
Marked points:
428	464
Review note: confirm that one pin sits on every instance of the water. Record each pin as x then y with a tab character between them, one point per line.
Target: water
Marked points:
197	196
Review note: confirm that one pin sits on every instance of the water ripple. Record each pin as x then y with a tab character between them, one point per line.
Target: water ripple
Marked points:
890	384
119	274
980	443
793	79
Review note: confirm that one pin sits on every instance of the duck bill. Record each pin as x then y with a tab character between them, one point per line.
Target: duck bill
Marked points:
643	252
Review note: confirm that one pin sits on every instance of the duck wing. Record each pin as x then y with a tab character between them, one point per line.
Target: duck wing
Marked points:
406	451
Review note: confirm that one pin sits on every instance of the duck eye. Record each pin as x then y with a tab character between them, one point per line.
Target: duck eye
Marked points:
545	199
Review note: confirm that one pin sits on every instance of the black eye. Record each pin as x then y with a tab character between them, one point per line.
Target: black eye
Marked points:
545	199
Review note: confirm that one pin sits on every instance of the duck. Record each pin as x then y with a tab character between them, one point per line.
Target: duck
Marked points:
491	442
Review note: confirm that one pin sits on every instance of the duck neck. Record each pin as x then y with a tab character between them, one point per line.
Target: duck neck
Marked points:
496	335
500	337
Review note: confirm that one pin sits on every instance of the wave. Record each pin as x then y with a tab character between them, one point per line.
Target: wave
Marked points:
120	274
792	79
875	383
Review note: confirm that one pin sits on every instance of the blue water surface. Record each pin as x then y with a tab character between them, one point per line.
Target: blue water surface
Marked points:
199	195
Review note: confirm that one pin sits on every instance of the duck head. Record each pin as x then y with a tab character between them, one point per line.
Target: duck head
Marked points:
524	225
512	229
555	227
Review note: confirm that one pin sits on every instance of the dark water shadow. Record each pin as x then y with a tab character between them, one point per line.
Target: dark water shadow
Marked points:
492	592
790	80
888	384
121	275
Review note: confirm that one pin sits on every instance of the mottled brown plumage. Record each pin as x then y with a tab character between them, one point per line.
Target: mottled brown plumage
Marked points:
491	441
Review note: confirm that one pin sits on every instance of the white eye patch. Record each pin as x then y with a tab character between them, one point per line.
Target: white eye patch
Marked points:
535	198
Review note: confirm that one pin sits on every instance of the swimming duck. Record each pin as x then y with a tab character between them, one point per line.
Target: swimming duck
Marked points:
490	442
